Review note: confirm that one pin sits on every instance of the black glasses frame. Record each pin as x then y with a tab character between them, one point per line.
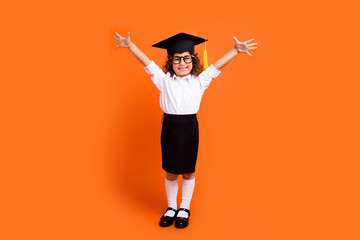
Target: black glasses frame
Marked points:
183	58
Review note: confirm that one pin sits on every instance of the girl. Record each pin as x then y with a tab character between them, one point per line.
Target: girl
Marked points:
181	88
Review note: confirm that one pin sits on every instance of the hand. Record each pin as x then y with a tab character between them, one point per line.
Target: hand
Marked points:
123	42
244	46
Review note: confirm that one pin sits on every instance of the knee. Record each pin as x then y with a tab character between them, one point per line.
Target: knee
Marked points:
188	176
171	177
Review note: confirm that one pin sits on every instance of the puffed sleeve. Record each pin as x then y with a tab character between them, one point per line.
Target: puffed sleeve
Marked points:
157	75
207	76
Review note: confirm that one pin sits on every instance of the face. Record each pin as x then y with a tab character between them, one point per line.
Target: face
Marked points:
182	69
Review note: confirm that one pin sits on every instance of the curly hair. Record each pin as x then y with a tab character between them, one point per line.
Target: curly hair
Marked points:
196	69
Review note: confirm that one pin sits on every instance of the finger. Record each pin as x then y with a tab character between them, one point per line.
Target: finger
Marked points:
128	35
252	44
116	38
118	35
115	41
249	53
252	47
236	39
250	40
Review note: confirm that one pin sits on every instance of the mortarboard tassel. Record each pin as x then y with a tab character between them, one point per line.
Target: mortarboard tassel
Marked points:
205	58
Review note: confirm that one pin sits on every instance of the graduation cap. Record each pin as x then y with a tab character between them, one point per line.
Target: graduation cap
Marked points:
180	43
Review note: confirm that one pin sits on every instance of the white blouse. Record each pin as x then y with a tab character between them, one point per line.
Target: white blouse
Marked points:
180	95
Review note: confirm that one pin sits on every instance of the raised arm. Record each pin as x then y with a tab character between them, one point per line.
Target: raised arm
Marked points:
126	43
243	47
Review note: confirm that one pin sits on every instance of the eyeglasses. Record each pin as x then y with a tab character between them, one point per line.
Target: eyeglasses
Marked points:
177	60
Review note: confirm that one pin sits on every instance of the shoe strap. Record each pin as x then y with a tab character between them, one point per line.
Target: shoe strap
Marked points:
171	209
184	209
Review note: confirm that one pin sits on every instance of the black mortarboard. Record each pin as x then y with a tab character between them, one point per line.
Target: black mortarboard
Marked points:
180	43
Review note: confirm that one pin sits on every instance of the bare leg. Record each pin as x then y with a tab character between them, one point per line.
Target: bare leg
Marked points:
171	177
188	176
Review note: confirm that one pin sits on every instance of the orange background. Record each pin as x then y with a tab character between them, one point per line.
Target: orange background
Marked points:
80	121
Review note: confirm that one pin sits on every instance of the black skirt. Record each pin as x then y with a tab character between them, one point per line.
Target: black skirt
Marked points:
179	143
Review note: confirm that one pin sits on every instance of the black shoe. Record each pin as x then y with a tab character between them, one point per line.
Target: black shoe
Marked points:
166	221
181	222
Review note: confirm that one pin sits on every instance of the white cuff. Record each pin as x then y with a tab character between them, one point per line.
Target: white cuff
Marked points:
151	68
212	71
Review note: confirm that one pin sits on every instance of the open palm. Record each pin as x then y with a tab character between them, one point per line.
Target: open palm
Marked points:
123	42
244	46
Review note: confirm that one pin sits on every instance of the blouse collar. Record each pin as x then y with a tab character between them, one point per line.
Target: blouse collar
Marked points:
187	77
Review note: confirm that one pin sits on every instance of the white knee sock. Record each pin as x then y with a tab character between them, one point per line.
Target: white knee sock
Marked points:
171	193
187	192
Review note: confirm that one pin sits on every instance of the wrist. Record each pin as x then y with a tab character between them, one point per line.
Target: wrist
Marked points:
130	45
236	50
